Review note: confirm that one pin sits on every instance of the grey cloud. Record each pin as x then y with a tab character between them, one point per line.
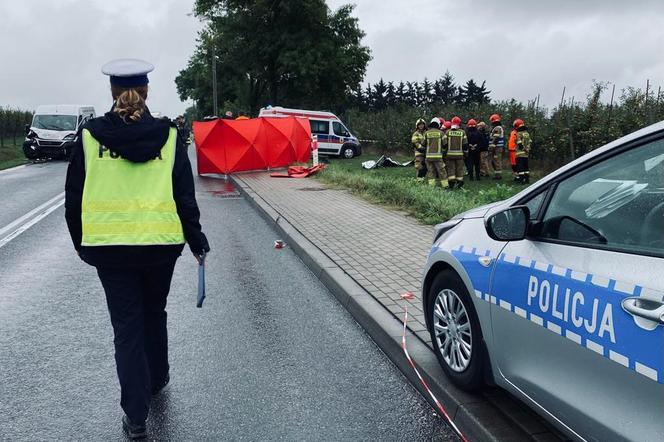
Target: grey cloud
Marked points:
59	47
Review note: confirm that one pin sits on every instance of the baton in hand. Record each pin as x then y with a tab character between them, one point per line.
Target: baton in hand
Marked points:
201	281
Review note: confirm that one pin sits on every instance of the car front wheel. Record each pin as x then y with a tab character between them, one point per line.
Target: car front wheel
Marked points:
455	331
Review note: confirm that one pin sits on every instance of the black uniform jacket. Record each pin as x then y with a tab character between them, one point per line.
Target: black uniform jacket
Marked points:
137	142
476	138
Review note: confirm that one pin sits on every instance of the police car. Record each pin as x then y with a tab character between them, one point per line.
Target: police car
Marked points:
557	294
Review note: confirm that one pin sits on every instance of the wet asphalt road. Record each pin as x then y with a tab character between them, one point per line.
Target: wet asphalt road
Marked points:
271	356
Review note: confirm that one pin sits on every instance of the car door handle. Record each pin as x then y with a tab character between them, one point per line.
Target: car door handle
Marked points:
645	308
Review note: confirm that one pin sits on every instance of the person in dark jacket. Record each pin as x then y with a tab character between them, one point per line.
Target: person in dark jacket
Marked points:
130	206
475	140
484	149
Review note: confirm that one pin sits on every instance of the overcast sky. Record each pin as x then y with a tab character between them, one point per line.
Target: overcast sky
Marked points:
52	51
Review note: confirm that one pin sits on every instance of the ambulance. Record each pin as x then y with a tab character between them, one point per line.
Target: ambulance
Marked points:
52	133
557	294
334	138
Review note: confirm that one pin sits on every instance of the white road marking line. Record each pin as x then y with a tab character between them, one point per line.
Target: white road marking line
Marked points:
11	169
536	319
30	214
573	336
554	327
506	305
594	346
617	357
31	218
521	312
646	371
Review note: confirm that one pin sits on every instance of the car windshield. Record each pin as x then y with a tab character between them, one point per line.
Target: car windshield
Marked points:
54	122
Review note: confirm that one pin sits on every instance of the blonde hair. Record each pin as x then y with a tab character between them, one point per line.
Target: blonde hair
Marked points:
130	102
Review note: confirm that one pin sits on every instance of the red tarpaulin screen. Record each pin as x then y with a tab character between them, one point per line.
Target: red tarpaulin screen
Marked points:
227	146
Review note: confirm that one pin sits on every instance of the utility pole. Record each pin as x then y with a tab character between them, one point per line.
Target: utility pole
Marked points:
608	123
562	99
214	84
645	105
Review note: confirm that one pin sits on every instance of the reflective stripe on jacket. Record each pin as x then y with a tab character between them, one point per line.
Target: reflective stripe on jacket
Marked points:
418	143
523	144
434	144
456	140
127	203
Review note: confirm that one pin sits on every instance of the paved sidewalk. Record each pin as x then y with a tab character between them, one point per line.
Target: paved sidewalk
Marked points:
384	251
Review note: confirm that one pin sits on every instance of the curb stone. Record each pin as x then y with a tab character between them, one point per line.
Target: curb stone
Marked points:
478	417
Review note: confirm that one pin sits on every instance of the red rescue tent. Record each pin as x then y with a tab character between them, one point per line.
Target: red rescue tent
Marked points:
227	146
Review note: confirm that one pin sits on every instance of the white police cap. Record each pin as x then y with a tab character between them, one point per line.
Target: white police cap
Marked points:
128	72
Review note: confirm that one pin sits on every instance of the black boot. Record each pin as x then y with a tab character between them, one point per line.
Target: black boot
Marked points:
460	185
134	431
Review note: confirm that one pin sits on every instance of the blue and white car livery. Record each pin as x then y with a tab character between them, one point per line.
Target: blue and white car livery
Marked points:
557	294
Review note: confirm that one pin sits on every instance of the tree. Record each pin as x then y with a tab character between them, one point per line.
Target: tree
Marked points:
448	89
426	98
472	93
294	53
379	95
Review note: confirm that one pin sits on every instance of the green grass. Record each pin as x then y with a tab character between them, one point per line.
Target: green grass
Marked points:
397	188
11	154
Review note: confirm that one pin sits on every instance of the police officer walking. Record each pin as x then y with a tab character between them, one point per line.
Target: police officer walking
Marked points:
130	206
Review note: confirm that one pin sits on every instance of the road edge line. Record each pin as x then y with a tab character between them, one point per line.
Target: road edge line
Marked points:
477	418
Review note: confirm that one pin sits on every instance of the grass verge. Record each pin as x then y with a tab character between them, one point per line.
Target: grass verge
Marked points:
397	188
11	156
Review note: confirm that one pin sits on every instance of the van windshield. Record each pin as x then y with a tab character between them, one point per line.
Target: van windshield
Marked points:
54	122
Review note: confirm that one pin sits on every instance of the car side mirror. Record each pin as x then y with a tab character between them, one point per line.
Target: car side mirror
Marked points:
27	129
509	224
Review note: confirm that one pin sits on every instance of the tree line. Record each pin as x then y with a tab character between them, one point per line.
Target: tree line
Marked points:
560	134
12	125
442	91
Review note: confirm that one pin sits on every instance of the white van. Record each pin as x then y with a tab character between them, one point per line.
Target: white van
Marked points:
333	136
52	133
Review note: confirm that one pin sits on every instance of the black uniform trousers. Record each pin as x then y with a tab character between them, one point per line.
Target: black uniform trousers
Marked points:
473	160
136	299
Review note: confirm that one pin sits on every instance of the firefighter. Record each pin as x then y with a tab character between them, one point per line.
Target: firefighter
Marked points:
474	145
420	149
496	146
457	143
523	146
511	146
484	149
433	139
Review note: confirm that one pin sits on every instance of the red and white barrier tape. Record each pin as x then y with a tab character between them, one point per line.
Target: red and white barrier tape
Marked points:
406	296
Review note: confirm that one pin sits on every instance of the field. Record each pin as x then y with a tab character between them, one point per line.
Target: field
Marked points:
11	154
397	189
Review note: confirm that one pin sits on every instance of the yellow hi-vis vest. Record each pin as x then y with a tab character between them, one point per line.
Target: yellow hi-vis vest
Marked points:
126	203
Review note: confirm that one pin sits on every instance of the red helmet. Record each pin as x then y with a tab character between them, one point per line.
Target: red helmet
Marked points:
518	123
471	123
494	118
456	121
442	121
447	125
